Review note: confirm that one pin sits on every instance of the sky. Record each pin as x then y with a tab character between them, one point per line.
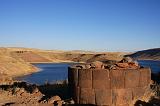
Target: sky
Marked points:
97	25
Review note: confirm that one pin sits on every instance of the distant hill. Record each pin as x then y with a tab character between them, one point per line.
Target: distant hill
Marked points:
150	54
17	61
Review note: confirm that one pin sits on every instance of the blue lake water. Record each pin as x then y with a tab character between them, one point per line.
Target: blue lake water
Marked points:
49	72
53	72
154	65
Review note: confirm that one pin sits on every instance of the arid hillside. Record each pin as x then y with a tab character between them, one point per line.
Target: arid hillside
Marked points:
17	61
150	54
13	66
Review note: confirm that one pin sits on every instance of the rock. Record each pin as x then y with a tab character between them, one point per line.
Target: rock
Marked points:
59	103
19	91
122	65
97	64
72	101
106	66
126	60
79	66
110	62
24	94
38	94
136	63
35	90
54	99
87	66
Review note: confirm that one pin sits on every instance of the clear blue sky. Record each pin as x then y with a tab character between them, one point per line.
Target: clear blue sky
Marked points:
114	25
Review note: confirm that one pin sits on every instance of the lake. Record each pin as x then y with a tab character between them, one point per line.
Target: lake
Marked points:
154	65
49	72
53	72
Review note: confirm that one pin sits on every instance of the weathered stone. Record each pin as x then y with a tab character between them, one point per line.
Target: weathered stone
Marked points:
85	74
103	97
132	78
53	99
126	60
20	91
60	102
36	90
123	84
138	92
145	77
76	94
37	94
97	64
85	78
87	66
121	96
101	79
122	65
117	79
73	76
110	66
85	83
87	96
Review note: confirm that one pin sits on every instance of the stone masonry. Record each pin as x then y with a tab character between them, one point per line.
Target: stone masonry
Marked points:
108	87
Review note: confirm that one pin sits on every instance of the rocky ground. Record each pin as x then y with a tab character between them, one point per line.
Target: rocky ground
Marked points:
21	93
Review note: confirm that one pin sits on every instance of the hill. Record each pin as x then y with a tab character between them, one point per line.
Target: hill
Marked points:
150	54
17	61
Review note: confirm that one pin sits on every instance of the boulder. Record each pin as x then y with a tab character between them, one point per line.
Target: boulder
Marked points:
126	60
36	90
122	65
97	64
54	99
110	66
87	66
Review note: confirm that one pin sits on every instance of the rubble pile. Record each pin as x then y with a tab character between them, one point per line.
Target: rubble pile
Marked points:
125	63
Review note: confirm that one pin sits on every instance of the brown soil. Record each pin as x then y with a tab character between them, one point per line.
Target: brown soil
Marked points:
16	61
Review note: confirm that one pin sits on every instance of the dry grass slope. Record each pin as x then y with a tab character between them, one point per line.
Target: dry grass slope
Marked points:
16	61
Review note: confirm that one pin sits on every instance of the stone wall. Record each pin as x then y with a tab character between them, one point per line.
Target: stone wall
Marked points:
108	87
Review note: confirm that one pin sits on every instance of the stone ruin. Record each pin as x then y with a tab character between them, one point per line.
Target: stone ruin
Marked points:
109	83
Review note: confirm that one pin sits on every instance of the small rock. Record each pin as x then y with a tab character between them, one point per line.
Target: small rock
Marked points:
35	90
24	94
97	64
38	94
59	103
87	66
126	60
20	91
72	101
122	65
54	99
109	66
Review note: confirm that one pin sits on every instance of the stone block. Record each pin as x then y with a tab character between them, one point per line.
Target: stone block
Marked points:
145	77
76	94
121	96
138	92
132	78
85	83
100	74
87	96
103	97
101	79
117	79
85	74
73	76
